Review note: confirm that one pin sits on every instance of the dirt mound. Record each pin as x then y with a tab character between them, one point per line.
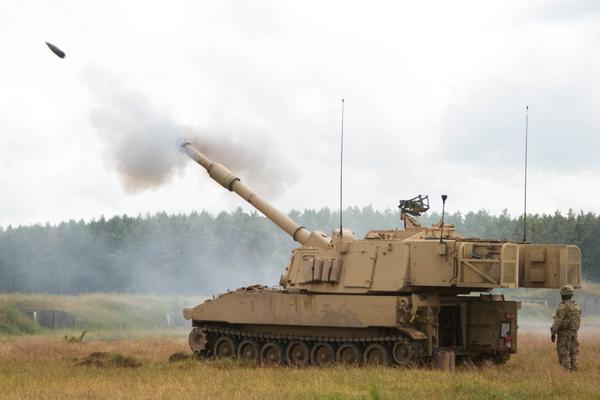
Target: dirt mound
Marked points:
180	356
108	360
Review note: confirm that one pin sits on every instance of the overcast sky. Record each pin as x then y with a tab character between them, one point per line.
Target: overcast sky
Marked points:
435	103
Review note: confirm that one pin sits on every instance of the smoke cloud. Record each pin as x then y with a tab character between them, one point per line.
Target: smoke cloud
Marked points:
266	172
141	142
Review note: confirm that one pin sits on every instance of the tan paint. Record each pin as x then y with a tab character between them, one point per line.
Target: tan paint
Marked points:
392	281
277	308
401	265
550	266
485	319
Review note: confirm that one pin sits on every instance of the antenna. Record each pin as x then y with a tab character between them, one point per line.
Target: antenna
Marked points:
444	197
341	168
525	184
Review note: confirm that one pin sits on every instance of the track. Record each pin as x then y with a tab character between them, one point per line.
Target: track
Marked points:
300	350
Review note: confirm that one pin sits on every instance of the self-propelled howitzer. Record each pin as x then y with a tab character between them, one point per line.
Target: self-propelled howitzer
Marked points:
394	296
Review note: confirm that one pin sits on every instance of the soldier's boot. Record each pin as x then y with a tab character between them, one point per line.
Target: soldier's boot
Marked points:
573	362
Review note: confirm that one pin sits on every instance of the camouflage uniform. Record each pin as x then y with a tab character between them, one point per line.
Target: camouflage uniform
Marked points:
565	327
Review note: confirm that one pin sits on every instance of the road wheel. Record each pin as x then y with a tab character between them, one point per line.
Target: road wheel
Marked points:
402	352
322	354
376	354
271	354
298	354
224	347
348	354
248	350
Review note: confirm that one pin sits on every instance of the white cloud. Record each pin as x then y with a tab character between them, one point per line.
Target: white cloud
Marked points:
434	100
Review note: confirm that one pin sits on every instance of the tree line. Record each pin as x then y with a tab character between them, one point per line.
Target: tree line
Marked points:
202	253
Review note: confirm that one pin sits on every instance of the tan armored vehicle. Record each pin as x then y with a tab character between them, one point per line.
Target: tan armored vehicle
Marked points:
394	296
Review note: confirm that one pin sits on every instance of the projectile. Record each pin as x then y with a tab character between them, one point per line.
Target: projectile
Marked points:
56	50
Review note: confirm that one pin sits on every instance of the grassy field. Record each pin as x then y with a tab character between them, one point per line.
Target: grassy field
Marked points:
42	367
125	330
100	314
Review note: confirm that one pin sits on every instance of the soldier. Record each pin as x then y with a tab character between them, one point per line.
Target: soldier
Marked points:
565	326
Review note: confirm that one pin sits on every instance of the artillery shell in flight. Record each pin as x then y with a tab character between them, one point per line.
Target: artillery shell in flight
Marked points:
56	50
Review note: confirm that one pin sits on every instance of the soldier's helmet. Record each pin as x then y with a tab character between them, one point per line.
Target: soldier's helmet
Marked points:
566	290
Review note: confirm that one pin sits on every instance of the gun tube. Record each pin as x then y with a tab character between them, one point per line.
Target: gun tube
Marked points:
231	182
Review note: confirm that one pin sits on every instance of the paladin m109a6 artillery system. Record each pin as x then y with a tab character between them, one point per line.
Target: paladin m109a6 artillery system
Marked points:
395	296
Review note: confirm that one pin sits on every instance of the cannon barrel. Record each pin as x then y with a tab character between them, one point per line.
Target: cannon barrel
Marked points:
231	182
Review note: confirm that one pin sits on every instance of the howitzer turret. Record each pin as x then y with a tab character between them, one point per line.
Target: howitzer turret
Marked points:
394	296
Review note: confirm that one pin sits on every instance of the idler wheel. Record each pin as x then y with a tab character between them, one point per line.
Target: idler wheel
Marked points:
298	354
248	350
402	352
271	354
197	341
376	354
322	354
348	354
224	347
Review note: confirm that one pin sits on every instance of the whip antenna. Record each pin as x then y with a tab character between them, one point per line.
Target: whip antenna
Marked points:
341	167
444	197
525	180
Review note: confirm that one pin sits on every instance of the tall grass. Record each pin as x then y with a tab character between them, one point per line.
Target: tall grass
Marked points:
42	367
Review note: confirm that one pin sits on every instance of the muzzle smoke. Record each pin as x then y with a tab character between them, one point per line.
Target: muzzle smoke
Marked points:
142	143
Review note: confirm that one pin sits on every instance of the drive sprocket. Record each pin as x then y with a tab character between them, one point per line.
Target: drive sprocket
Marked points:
199	342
